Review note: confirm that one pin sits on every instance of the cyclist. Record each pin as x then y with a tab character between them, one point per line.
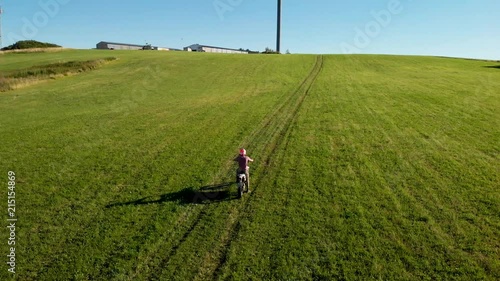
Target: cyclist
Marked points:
243	160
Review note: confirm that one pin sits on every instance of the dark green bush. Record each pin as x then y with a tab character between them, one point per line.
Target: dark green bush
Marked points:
29	44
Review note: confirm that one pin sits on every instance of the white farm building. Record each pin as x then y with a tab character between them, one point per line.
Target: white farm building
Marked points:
212	49
123	46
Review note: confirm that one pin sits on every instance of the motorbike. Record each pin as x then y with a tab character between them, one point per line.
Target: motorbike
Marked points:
242	183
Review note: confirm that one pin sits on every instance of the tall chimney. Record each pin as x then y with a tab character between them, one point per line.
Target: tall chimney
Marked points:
278	35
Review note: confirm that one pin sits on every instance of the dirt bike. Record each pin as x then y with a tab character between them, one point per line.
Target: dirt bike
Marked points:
241	181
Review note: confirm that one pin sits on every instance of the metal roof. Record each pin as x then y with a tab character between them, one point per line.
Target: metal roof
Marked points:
121	44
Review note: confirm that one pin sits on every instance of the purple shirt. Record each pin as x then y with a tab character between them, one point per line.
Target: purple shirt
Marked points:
242	162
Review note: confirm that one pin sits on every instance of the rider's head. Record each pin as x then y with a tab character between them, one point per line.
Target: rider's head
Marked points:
243	152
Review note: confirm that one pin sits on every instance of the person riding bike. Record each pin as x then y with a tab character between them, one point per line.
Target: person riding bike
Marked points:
243	160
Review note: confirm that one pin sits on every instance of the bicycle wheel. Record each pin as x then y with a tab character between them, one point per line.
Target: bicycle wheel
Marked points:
240	189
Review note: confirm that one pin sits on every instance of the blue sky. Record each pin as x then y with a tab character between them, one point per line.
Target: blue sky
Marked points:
461	28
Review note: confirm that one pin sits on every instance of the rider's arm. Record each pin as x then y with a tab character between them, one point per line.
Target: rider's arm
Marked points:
250	159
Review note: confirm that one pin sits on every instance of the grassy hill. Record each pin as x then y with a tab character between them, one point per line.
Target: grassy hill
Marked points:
366	167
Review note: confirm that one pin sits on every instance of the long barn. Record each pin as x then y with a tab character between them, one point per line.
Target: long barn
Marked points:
118	46
212	49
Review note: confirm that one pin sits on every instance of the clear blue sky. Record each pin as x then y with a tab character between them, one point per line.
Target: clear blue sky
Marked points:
461	28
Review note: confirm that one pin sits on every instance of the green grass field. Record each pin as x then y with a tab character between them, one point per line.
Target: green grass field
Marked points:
366	168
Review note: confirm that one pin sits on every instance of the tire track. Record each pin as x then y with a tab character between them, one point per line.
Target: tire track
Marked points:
279	139
272	131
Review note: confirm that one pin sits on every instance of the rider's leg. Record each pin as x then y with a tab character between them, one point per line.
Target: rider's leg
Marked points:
247	174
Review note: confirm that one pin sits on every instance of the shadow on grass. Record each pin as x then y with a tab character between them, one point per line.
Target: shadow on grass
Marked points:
204	195
492	66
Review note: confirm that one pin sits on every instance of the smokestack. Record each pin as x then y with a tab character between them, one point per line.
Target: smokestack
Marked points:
278	36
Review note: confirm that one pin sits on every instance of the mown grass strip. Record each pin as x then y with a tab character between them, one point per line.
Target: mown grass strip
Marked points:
275	130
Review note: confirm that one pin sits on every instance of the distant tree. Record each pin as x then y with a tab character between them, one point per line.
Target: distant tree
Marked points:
288	52
252	52
269	51
29	44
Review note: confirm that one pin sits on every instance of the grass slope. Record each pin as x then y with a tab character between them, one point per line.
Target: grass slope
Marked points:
390	172
366	167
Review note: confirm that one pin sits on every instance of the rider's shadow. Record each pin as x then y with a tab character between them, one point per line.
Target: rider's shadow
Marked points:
204	195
